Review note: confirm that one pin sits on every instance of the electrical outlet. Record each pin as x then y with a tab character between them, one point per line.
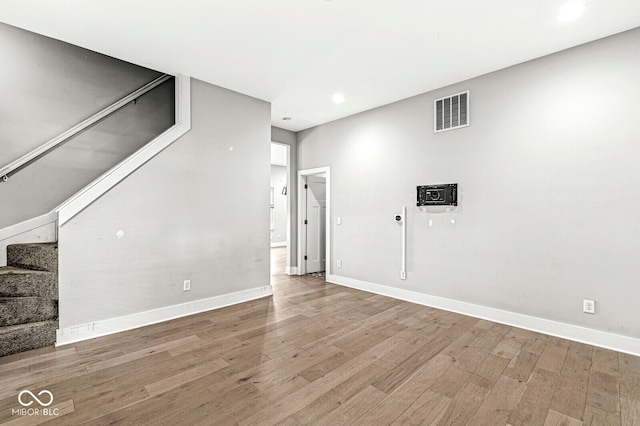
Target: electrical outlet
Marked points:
339	263
403	275
588	306
186	285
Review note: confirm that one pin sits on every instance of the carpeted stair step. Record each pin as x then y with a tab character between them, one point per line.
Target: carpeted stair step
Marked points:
28	297
23	337
16	282
22	310
37	256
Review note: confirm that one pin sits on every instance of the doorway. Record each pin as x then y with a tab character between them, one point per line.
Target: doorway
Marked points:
279	208
314	224
314	220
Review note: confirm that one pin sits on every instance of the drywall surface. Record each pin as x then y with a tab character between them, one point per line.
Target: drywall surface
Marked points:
549	182
48	182
279	206
289	138
49	86
197	211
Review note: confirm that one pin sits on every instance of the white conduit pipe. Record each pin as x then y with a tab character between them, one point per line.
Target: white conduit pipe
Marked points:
403	271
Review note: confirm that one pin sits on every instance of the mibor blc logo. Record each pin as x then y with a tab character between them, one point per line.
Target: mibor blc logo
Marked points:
33	397
26	398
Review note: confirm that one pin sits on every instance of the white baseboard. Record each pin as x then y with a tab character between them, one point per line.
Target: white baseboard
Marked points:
79	333
576	333
281	244
291	270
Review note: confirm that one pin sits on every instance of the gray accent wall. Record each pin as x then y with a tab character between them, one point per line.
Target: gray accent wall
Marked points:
549	183
196	211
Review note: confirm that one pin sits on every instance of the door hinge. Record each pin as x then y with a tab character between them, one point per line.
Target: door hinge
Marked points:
305	258
306	222
306	186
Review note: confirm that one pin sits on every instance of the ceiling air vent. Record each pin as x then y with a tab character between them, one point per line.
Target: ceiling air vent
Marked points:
451	112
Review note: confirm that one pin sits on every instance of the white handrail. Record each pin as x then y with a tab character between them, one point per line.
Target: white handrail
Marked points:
32	156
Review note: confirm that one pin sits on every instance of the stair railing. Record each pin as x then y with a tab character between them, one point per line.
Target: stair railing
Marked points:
55	142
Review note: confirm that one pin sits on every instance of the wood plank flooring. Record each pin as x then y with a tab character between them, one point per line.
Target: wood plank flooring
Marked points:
321	354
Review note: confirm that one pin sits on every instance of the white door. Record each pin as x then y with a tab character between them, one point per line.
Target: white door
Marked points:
316	210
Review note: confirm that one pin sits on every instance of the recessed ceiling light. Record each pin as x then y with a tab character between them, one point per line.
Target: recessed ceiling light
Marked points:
570	11
338	98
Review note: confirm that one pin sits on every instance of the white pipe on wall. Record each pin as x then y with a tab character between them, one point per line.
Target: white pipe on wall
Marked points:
401	219
403	271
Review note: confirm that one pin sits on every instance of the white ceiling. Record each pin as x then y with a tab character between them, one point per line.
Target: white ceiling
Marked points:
297	53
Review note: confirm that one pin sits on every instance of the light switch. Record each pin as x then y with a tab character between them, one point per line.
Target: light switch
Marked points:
338	220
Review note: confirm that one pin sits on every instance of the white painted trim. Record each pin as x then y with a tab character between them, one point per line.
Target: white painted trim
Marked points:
97	188
576	333
326	171
291	270
79	333
289	186
41	229
27	225
281	244
302	237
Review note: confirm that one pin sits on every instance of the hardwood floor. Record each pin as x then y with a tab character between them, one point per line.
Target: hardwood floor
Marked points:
321	354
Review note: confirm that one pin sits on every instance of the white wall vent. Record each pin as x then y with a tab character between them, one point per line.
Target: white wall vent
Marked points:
451	112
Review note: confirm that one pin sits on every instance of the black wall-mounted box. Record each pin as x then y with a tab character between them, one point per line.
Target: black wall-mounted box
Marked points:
438	195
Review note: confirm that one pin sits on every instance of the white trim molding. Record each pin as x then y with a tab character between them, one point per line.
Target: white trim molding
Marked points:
41	229
92	330
100	186
302	174
28	225
616	342
291	270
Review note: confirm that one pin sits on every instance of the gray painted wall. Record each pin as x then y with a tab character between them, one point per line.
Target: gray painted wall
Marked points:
549	180
45	184
49	86
278	181
289	138
196	211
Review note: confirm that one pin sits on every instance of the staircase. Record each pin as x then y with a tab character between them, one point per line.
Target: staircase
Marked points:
28	297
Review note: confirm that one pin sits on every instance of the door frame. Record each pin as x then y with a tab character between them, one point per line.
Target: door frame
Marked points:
288	185
302	236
